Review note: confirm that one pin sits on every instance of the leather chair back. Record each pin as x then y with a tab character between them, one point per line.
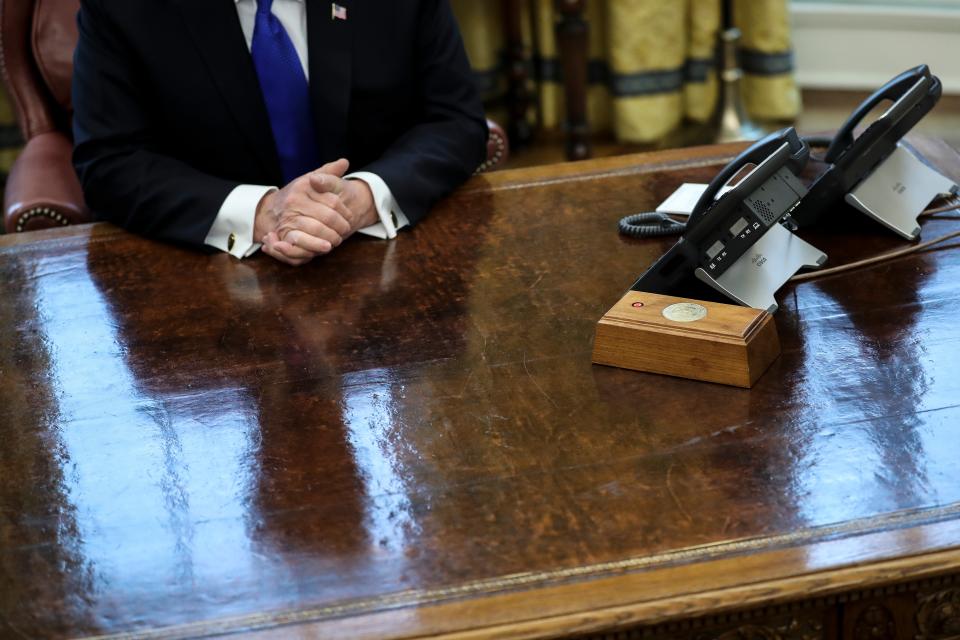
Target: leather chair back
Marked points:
37	40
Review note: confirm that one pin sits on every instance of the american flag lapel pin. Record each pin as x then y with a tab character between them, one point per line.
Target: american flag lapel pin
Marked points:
337	12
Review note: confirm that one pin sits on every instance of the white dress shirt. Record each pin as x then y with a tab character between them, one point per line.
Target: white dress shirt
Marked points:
232	229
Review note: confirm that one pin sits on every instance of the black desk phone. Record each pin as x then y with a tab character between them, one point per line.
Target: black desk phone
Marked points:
852	160
743	230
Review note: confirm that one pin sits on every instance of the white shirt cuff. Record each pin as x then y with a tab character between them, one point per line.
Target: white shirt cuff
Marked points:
391	217
232	229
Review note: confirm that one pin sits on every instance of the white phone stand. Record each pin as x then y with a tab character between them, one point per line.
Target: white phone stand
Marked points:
898	190
771	261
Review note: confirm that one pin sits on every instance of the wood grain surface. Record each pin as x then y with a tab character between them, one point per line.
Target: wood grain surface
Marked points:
408	439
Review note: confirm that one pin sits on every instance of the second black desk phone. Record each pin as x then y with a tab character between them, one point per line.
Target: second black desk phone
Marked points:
850	159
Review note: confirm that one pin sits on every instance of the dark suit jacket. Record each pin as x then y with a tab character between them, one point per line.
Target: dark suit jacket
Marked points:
169	117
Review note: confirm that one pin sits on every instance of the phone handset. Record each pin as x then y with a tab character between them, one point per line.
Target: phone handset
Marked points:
905	91
783	148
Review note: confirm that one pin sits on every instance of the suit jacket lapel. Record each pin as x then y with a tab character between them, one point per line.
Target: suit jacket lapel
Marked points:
215	29
330	54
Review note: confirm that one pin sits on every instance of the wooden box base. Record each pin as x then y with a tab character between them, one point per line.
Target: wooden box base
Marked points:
694	339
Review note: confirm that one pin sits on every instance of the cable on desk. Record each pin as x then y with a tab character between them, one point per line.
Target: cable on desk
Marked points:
953	204
883	257
874	260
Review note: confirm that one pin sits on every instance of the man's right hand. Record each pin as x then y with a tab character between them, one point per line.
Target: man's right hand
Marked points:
313	223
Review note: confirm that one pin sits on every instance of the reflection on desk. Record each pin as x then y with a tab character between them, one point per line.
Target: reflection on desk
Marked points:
408	439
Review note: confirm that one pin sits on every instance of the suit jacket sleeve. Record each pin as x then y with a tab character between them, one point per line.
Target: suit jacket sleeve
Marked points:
125	180
448	143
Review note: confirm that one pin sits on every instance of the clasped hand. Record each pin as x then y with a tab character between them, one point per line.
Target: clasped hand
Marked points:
313	214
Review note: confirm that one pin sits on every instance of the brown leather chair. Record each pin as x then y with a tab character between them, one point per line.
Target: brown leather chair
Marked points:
37	39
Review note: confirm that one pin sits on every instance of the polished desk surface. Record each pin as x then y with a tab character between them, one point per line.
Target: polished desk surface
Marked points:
408	438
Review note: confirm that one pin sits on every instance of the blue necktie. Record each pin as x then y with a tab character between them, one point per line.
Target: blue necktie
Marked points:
286	94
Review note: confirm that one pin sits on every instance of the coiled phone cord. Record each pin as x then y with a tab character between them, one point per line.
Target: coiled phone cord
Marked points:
650	224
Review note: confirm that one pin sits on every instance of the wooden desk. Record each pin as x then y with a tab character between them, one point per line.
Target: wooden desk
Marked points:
408	439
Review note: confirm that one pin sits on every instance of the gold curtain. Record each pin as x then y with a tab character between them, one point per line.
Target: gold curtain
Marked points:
652	63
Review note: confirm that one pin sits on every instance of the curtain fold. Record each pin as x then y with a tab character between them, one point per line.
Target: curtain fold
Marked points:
652	63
